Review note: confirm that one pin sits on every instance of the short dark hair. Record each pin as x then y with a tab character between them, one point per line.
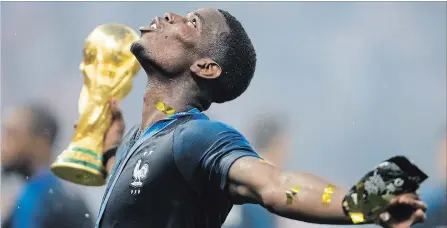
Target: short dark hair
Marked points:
43	121
235	53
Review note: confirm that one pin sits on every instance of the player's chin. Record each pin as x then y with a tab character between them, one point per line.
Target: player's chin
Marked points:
137	47
144	57
140	51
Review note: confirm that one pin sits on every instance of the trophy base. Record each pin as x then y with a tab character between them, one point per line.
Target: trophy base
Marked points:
78	174
80	166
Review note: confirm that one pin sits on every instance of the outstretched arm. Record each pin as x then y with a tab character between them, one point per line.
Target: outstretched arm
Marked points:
214	157
297	196
306	197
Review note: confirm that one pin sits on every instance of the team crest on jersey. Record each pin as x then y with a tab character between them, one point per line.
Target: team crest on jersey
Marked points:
139	175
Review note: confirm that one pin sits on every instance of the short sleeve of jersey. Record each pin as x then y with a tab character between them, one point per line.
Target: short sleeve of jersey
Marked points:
204	151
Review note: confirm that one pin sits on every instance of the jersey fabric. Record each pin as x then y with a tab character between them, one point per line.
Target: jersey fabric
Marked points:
174	176
45	203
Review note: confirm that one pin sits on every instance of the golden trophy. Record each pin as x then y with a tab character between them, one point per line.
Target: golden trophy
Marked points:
108	68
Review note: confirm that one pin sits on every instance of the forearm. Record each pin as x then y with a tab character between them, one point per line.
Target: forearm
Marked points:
305	200
110	164
297	196
304	197
110	157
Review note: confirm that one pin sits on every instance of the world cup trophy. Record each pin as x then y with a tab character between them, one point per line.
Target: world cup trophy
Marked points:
108	68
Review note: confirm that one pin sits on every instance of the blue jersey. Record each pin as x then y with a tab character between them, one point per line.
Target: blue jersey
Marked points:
44	203
175	175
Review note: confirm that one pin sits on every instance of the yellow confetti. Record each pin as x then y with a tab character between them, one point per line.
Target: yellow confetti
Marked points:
327	194
291	193
295	190
164	108
357	217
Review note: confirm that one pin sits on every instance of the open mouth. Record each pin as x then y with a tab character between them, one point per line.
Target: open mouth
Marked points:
155	25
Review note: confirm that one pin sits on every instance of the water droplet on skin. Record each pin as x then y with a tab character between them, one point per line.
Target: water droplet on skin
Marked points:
18	207
27	177
87	215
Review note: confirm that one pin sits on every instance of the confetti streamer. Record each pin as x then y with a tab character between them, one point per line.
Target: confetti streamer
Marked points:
166	109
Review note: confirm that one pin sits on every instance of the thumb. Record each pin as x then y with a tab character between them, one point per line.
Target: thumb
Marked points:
418	216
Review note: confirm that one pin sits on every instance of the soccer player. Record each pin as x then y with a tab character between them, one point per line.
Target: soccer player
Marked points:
183	170
28	136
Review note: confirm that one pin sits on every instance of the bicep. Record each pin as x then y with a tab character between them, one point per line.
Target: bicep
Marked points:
250	179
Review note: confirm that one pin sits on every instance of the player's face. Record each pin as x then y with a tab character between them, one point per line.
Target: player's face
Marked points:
172	43
16	139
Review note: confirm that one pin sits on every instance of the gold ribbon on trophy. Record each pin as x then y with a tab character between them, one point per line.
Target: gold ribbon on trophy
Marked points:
108	68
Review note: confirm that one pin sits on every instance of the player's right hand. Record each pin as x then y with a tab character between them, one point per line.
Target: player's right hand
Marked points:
114	133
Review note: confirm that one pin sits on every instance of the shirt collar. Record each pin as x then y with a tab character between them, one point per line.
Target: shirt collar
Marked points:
181	114
159	125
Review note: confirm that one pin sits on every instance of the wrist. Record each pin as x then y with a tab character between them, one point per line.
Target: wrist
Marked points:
108	154
339	199
111	146
354	215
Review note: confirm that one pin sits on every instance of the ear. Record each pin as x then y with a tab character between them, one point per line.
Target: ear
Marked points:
206	68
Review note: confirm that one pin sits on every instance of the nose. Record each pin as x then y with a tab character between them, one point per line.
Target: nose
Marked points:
171	17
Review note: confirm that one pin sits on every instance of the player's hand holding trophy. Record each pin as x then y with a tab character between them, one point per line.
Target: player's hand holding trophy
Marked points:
369	200
108	68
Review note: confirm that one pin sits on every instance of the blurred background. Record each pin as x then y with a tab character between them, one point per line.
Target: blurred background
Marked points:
339	86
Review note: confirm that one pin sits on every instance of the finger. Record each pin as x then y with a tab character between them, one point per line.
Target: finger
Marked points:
117	127
412	196
408	195
416	204
403	199
419	216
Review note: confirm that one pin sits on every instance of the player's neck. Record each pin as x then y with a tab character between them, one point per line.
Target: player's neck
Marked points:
40	160
172	93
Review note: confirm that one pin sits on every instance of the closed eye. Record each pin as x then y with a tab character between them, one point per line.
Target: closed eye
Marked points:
193	22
